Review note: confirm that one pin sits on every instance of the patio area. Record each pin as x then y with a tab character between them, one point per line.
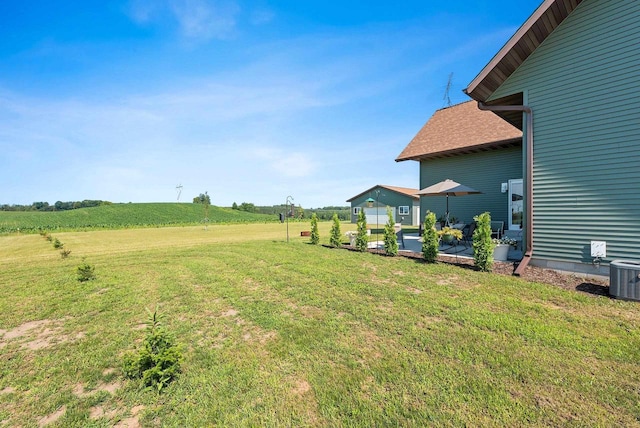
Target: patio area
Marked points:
413	243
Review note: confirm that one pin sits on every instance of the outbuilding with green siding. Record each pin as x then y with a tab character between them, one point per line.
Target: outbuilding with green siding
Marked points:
404	202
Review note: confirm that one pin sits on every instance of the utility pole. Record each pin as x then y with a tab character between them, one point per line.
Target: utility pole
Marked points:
288	204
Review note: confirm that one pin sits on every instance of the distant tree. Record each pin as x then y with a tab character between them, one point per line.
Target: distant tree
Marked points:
362	239
335	239
390	238
315	234
202	198
430	238
247	207
234	206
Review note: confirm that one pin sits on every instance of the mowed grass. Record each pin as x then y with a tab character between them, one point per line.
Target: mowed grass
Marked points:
290	334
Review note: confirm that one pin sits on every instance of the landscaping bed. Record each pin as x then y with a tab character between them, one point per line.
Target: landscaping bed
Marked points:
594	285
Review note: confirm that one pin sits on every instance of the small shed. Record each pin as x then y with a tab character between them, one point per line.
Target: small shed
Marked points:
404	203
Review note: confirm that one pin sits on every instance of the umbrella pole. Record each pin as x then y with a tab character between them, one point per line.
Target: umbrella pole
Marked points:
447	215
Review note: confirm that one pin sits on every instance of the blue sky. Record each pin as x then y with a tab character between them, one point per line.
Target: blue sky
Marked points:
250	101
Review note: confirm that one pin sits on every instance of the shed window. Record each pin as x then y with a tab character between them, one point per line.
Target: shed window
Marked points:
403	210
356	210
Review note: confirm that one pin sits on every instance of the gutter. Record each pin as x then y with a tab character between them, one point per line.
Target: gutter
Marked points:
529	178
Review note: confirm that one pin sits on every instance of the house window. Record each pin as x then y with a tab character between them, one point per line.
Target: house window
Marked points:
356	210
403	210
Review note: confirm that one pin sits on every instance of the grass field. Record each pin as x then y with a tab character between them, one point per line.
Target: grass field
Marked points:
114	216
290	334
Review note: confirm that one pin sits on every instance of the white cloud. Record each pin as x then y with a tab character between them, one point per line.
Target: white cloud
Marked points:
202	19
284	163
196	19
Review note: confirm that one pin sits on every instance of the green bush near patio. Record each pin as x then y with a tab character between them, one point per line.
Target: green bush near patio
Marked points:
430	238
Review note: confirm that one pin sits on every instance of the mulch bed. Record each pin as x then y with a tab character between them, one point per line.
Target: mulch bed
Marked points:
593	285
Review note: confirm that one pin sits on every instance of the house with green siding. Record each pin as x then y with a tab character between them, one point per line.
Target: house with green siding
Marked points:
475	148
404	203
569	78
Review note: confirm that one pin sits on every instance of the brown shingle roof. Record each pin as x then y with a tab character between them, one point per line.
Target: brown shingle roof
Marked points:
404	190
461	128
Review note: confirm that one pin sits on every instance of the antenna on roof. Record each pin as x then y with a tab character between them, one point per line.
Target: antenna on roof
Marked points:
179	190
446	91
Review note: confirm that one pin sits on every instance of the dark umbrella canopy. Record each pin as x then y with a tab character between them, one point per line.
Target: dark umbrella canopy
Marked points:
447	188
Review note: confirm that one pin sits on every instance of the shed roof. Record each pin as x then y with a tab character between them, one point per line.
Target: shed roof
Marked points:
546	18
462	128
403	190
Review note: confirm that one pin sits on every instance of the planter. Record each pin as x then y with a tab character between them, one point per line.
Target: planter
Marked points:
500	252
447	239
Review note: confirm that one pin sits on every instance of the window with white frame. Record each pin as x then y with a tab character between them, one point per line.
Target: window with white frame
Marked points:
356	210
403	210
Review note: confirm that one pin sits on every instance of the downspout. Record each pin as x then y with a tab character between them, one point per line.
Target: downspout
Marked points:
529	178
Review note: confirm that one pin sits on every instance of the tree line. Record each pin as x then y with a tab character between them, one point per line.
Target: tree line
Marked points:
324	213
58	206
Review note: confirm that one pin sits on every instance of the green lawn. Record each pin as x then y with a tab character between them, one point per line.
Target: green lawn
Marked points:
290	334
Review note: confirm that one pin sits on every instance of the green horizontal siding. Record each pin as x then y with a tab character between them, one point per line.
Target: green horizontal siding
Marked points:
484	172
387	198
583	85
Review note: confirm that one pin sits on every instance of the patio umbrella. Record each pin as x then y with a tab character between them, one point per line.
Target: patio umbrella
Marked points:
447	188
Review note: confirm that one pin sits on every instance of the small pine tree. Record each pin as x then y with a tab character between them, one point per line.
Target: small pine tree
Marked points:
86	272
482	244
430	238
362	239
158	362
315	234
335	240
390	238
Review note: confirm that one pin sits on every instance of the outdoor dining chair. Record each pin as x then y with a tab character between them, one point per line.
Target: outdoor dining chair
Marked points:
467	234
399	234
497	229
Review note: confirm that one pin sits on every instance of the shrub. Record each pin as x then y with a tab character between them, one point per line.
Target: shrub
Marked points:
362	239
335	239
65	253
158	362
390	238
315	234
430	238
86	272
57	244
482	245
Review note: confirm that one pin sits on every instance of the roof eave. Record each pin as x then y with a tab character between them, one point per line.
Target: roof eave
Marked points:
528	37
494	145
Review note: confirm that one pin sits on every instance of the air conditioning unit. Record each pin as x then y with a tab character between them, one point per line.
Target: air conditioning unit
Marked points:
624	279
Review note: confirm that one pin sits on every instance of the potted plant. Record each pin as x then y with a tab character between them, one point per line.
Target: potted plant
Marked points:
501	247
447	234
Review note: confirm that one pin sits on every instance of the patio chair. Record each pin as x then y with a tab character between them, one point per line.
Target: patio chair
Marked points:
467	235
399	234
497	229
